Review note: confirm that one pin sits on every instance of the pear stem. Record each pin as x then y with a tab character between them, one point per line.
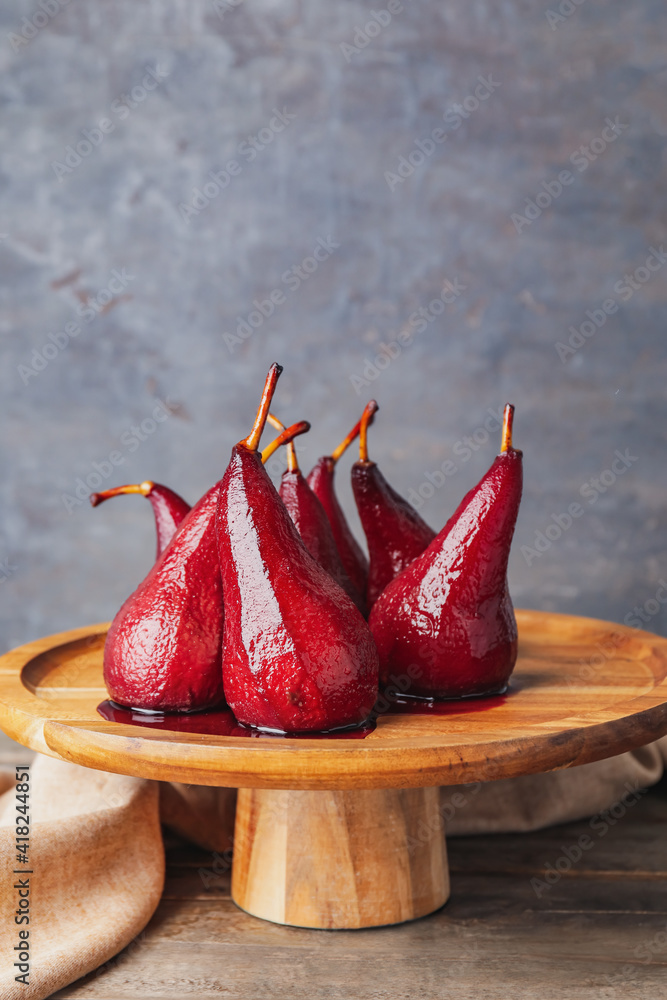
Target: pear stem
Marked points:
278	424
346	442
292	460
252	441
366	420
287	435
145	489
508	420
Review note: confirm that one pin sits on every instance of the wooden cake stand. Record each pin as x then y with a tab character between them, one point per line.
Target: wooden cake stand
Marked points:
345	833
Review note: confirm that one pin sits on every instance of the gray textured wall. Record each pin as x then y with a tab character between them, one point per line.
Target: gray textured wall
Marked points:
66	226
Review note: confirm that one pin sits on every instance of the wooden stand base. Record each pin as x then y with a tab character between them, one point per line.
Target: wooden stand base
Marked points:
339	860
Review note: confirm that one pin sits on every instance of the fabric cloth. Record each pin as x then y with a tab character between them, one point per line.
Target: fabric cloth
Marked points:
98	871
535	801
97	854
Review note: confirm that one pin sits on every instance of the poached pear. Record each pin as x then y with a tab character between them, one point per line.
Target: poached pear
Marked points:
395	533
310	518
297	654
321	481
445	626
164	649
168	508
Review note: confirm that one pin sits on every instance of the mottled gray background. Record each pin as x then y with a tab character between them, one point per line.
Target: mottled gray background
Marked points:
323	175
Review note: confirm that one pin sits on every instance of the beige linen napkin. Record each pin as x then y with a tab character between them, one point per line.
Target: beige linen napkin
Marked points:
98	859
534	801
98	870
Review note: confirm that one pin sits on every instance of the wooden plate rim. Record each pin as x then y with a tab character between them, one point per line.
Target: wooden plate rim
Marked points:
374	762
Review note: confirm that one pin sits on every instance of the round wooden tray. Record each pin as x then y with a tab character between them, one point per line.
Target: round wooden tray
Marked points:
349	833
582	690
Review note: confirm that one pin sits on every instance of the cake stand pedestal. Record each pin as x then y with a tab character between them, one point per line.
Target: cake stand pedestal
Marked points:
348	833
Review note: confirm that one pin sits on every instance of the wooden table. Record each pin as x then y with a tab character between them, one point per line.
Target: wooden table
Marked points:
598	934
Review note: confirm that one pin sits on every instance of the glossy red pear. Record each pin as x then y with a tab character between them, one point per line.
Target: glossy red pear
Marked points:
310	518
168	508
321	482
298	656
395	533
164	648
445	627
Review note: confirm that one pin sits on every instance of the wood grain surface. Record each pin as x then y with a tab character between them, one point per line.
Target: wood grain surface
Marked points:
598	932
344	859
582	690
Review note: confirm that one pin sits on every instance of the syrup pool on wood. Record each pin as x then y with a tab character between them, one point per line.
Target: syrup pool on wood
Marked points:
398	704
222	722
216	722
